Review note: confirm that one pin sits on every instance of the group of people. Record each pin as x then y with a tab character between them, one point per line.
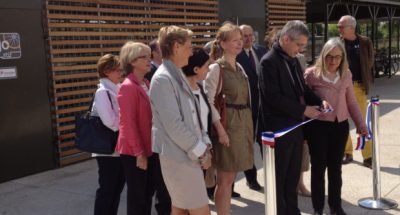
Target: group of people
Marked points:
186	115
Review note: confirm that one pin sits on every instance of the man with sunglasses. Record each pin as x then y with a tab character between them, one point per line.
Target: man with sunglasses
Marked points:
360	55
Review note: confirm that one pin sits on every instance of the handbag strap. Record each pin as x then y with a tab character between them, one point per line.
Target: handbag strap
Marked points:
219	85
109	98
94	95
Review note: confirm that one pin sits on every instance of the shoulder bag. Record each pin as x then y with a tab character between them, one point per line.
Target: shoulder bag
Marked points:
92	135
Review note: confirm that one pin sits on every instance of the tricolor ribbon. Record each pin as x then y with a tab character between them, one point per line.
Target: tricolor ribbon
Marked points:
362	139
268	137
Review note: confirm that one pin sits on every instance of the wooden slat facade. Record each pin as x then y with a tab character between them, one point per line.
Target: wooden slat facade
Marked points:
279	12
80	31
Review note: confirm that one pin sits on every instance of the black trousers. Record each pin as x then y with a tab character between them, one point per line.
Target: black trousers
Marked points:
327	142
111	184
163	200
288	153
142	184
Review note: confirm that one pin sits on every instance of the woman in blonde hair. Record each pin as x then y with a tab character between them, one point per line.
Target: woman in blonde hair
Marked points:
233	139
331	79
179	135
141	165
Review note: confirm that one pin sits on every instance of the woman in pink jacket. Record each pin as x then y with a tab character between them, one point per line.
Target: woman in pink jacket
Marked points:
142	171
330	79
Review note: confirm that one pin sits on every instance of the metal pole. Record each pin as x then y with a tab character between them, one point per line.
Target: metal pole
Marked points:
269	180
376	202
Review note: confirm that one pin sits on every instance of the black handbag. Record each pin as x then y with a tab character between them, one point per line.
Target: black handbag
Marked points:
92	135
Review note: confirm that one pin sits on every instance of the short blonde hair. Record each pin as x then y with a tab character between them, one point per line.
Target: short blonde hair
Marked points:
129	52
169	35
320	64
224	33
107	63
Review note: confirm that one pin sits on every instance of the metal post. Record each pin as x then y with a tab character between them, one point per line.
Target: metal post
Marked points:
269	180
376	202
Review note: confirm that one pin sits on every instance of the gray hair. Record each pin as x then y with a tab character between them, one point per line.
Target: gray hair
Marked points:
129	52
320	64
350	21
293	29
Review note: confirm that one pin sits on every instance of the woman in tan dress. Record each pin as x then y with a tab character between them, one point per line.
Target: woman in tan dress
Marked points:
233	142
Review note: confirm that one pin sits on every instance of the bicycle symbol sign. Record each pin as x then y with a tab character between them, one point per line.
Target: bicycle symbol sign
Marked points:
10	46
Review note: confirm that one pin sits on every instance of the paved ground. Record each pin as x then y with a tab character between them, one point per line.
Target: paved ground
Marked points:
70	190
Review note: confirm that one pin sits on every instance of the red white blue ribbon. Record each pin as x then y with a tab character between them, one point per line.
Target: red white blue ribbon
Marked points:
268	137
361	139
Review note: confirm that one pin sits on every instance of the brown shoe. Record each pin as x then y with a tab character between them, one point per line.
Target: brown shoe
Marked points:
348	158
368	163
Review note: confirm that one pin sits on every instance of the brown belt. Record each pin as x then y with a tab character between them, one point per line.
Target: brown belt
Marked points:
237	106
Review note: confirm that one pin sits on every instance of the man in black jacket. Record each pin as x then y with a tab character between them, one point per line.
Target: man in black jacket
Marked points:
156	58
286	100
249	59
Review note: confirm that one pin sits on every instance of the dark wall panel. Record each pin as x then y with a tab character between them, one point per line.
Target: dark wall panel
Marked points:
25	117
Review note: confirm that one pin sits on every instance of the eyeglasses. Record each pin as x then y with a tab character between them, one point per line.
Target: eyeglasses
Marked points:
147	57
336	57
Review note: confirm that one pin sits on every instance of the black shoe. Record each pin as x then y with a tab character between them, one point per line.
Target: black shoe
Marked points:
254	185
347	159
235	194
368	163
338	211
317	213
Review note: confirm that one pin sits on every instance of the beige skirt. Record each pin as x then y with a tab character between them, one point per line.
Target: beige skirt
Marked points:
185	183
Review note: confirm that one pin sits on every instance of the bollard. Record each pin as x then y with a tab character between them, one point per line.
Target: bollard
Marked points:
269	180
376	202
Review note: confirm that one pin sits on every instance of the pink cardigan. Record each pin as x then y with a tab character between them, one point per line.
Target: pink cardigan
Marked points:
134	119
340	95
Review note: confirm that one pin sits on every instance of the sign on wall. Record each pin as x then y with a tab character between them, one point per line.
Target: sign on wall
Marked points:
8	72
10	46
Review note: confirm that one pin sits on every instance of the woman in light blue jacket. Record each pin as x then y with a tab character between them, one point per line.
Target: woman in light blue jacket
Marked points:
178	134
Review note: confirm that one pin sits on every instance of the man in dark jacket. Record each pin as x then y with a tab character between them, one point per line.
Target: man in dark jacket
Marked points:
285	101
360	55
156	58
249	59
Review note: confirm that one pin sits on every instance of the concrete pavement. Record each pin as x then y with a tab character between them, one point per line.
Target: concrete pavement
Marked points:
70	190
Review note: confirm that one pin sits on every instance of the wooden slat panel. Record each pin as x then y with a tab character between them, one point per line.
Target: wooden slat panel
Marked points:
129	11
76	67
80	31
75	84
65	119
283	17
75	59
73	101
66	127
69	152
150	5
75	92
72	76
279	12
72	110
138	19
74	158
67	144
